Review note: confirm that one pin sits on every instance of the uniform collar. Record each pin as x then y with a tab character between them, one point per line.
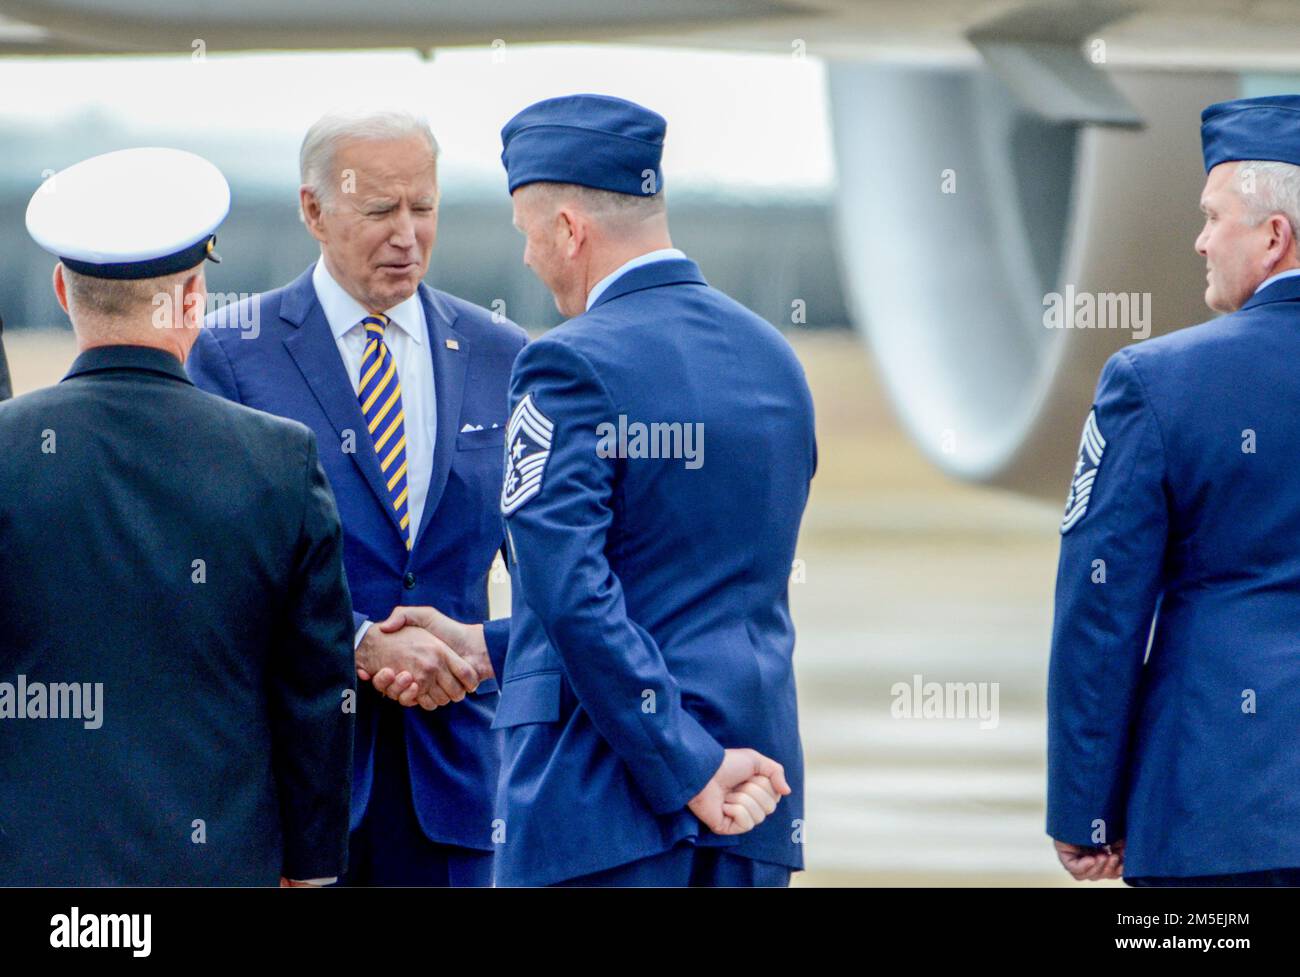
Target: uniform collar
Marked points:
672	271
343	312
147	358
1289	273
663	254
1280	288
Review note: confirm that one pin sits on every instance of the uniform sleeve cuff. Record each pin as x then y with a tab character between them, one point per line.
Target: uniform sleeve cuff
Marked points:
496	635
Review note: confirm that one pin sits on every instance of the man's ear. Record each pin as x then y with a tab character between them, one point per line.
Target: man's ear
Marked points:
572	231
311	210
61	288
1286	235
194	299
1281	241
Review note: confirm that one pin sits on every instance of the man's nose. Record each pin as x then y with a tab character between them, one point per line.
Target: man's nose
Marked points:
402	234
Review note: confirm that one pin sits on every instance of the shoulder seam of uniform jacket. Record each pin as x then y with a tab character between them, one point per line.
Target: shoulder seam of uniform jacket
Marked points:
1149	404
615	488
590	367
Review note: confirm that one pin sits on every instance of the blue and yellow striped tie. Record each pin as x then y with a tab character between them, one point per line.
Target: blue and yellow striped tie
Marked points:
380	393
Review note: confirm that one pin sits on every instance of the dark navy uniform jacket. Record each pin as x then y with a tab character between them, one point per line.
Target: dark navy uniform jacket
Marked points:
1185	507
650	623
223	754
293	368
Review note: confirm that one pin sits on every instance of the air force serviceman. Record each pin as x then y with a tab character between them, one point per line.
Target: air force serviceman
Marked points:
175	633
406	389
1180	765
657	465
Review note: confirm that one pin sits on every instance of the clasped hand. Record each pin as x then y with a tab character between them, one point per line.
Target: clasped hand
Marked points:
1091	864
419	656
741	794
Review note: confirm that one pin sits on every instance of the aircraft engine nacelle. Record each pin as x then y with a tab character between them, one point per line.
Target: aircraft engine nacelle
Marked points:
976	236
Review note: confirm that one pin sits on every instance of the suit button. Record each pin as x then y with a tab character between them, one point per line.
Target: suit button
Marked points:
409	581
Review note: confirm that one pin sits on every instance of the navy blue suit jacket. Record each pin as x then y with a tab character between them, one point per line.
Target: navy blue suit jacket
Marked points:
650	624
1185	507
293	368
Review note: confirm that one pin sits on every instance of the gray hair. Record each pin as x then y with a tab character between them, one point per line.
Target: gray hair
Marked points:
316	158
114	298
605	206
1269	187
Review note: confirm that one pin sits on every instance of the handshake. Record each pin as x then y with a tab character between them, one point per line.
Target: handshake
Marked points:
419	656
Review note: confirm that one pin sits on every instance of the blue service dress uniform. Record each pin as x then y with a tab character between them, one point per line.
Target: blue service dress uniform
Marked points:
650	625
1174	686
1185	510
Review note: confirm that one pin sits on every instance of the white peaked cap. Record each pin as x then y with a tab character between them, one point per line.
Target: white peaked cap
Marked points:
134	213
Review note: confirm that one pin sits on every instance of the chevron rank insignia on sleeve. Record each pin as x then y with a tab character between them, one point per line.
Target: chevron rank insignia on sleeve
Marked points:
1091	446
528	445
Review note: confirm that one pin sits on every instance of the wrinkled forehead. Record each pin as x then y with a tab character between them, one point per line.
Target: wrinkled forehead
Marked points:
379	164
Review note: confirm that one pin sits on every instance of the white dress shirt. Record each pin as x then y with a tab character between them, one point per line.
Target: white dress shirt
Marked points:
409	345
663	254
407	338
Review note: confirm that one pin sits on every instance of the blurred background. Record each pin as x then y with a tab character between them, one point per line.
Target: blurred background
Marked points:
902	572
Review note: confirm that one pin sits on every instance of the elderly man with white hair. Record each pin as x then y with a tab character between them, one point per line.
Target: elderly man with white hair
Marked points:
406	389
1175	684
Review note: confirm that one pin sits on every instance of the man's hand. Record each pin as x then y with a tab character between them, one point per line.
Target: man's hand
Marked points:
466	640
289	884
741	794
1092	864
410	665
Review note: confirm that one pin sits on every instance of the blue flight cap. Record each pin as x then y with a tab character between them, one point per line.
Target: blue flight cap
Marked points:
591	140
1252	128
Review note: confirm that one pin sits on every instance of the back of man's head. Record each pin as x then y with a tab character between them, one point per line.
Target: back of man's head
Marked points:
140	312
618	215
